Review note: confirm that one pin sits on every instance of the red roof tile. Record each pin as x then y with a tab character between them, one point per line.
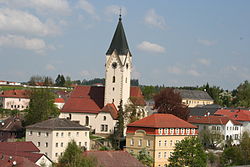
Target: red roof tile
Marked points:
162	121
136	96
215	120
20	161
235	114
18	147
114	158
110	107
59	100
16	93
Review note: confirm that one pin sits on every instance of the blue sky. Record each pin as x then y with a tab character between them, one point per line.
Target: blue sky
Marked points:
175	43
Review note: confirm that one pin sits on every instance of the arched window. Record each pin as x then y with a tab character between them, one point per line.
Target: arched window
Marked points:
87	121
113	79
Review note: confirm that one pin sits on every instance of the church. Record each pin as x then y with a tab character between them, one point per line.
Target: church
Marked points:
97	106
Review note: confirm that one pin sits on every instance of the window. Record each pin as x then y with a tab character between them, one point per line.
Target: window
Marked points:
102	128
85	144
213	128
104	118
171	142
193	131
46	144
113	79
69	134
139	142
87	121
132	142
236	136
46	134
148	143
188	131
165	154
177	131
77	133
70	116
126	80
106	128
38	144
166	130
86	133
165	143
113	88
62	144
62	134
159	143
56	144
30	133
159	154
80	144
38	133
57	134
172	131
160	131
56	154
113	100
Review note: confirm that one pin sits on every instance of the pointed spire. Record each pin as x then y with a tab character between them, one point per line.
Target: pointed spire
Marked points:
119	41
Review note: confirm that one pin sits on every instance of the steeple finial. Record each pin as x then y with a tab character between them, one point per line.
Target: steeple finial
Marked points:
120	15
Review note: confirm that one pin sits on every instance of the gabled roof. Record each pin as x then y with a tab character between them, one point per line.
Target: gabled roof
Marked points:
16	93
193	94
11	124
59	100
235	114
212	120
114	158
110	108
119	41
136	96
161	121
20	161
57	124
18	147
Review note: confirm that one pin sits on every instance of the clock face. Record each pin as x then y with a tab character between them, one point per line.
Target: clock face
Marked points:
114	65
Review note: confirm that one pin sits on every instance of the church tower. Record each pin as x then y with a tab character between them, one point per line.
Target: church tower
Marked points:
118	68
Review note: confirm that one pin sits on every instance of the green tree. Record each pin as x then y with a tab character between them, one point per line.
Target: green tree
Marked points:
60	81
243	95
210	139
131	114
188	152
68	81
170	102
73	157
144	157
41	106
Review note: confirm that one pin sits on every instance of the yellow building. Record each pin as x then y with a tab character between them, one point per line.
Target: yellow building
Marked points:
158	133
194	98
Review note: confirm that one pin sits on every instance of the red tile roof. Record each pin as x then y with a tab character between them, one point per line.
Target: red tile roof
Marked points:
90	99
59	100
16	93
235	114
20	161
18	147
110	107
136	96
162	121
114	158
214	120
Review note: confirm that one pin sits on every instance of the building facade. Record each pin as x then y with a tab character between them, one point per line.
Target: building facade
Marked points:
52	136
158	133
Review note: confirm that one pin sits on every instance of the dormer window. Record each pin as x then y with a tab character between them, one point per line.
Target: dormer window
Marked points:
113	79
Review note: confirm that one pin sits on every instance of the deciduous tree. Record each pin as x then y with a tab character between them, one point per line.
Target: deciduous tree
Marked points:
170	102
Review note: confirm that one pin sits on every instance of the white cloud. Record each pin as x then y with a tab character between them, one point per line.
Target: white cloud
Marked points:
114	10
88	7
41	6
151	47
204	61
16	21
155	20
50	67
206	42
193	73
174	70
88	74
21	42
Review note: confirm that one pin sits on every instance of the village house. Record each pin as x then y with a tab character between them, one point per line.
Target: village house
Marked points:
22	154
158	133
97	106
59	102
194	98
52	136
219	125
240	115
15	99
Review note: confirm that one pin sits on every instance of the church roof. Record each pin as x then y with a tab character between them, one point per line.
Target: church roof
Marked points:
119	42
90	99
193	94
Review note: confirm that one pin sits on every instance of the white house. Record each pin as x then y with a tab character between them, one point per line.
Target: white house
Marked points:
15	99
59	102
228	128
52	136
97	106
